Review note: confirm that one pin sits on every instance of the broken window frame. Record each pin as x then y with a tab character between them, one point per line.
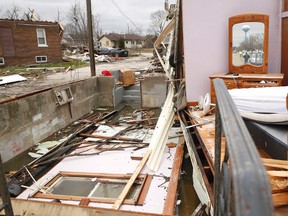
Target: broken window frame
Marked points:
41	61
43	43
143	180
2	62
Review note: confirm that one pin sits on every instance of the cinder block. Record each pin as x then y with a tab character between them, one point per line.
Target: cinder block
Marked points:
153	91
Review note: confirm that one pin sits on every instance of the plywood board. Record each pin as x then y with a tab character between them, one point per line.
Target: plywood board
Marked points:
207	133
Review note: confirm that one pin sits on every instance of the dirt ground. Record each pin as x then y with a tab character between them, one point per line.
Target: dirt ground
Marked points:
48	80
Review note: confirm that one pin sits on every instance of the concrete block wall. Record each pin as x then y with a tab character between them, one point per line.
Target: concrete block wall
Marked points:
153	91
31	119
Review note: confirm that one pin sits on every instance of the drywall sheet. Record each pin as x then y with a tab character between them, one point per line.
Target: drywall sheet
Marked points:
11	79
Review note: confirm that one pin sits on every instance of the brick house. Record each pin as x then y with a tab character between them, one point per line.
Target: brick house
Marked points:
28	42
129	40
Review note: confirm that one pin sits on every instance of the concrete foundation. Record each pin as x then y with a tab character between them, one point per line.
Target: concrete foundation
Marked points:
153	91
28	120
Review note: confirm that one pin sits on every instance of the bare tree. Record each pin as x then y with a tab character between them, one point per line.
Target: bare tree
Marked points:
77	24
158	20
97	26
253	42
30	14
13	12
58	16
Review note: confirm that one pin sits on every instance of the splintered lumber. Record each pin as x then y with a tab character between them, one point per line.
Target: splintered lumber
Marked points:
280	199
200	210
108	137
131	181
140	121
278	173
275	163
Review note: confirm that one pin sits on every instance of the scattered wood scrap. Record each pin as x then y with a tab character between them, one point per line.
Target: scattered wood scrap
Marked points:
278	173
129	184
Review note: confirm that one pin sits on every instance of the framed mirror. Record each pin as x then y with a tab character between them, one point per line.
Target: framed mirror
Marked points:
248	43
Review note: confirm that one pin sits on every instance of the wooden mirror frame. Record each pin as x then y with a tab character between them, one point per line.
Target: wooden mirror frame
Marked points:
248	68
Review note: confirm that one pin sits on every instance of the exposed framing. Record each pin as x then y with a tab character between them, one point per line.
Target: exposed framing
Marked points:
139	200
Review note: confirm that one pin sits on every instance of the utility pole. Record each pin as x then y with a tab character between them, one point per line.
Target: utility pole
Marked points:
90	38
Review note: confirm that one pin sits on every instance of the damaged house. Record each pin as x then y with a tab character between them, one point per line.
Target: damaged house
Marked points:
29	42
129	40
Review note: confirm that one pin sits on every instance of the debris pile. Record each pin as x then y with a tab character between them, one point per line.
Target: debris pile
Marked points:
99	129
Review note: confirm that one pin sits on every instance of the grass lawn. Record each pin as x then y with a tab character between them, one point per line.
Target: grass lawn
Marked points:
22	70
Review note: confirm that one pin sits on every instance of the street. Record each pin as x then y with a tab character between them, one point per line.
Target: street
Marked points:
33	84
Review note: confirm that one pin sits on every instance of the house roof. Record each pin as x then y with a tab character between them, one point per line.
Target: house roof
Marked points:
117	37
30	22
38	23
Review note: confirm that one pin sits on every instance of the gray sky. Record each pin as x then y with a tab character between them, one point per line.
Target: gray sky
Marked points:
111	19
239	35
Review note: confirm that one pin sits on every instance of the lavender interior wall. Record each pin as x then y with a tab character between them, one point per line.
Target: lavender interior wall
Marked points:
206	38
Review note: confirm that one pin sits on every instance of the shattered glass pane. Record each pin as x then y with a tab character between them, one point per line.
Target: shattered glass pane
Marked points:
113	190
75	186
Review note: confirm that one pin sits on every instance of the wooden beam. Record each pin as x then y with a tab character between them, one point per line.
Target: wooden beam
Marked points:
108	137
192	103
32	207
278	173
275	163
170	201
280	199
129	184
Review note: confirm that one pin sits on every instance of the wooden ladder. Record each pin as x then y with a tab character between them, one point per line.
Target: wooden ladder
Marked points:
6	201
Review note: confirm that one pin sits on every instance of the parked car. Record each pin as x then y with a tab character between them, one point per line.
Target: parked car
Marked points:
256	59
103	51
118	53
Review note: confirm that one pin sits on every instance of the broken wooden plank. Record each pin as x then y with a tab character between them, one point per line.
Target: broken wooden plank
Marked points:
140	121
108	137
136	158
280	199
45	68
84	202
200	210
173	181
278	173
129	184
275	161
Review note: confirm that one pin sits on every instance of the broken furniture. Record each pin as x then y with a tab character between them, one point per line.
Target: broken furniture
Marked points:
271	138
248	54
246	81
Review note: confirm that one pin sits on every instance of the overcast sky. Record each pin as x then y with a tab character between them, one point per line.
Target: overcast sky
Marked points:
112	20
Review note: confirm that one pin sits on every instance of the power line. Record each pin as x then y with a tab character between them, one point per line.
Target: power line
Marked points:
123	13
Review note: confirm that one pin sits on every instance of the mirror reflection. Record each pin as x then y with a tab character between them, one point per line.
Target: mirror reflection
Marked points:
248	43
